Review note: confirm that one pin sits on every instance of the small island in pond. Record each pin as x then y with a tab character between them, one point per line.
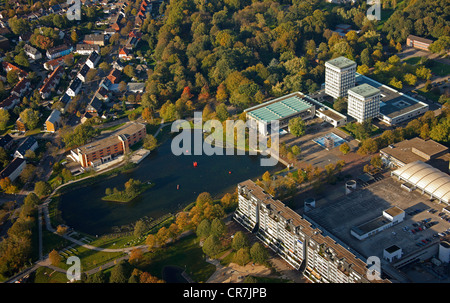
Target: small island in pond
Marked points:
133	188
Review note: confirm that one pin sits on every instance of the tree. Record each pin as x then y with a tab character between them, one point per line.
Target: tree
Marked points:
129	71
12	77
66	174
42	188
61	229
74	36
182	221
203	229
150	241
340	105
169	112
239	241
139	228
162	236
54	258
376	161
145	277
297	127
296	150
258	253
218	228
344	148
211	246
30	117
135	255
423	73
266	176
242	256
150	142
4	118
222	112
147	114
120	273
410	79
221	94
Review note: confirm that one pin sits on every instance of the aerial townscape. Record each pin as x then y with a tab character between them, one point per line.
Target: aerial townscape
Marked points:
354	108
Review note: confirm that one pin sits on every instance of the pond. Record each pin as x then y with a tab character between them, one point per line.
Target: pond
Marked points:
177	183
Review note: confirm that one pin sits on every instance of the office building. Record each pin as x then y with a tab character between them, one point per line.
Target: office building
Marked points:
363	102
339	76
106	149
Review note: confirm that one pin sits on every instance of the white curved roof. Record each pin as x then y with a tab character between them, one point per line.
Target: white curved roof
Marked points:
427	178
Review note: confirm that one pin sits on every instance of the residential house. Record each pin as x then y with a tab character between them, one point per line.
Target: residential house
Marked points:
6	141
59	51
8	67
10	102
52	122
29	143
125	54
14	169
20	125
86	49
61	61
83	72
74	87
32	52
97	39
21	87
93	59
114	76
51	82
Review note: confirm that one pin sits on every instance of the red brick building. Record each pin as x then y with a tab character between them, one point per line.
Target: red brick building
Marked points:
105	150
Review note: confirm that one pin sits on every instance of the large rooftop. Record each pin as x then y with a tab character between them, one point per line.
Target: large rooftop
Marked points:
365	90
393	103
279	108
341	62
415	149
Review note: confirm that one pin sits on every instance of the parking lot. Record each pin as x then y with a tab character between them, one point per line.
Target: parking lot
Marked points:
425	221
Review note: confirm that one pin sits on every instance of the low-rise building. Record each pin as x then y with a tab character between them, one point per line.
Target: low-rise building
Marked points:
61	61
415	149
32	52
53	120
390	217
29	143
418	42
97	39
51	82
93	59
74	87
106	149
59	51
14	169
83	72
6	141
86	49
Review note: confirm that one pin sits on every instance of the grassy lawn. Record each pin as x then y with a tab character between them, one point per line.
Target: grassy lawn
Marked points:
114	127
185	252
413	60
47	275
440	69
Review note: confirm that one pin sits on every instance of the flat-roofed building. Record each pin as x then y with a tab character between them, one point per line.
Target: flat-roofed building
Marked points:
363	102
339	76
395	107
390	217
104	150
281	109
296	240
415	149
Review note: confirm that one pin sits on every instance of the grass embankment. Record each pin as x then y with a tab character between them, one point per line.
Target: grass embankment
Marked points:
126	195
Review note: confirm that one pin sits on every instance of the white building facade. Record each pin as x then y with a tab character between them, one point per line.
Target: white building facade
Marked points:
339	76
363	102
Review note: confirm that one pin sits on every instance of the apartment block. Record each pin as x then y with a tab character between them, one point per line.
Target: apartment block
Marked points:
303	246
339	76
